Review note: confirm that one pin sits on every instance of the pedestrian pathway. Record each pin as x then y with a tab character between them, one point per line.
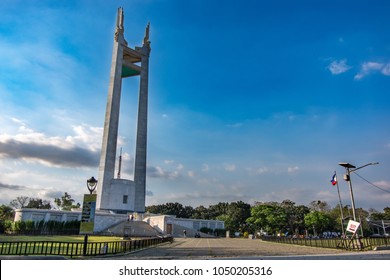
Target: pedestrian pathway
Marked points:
222	248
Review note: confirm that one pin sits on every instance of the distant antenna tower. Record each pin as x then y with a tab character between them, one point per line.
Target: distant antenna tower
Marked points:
120	164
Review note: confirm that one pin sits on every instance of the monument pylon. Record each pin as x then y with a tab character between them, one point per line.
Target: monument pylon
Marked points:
121	195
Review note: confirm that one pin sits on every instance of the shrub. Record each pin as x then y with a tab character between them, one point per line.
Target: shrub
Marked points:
41	227
220	232
7	226
206	230
2	226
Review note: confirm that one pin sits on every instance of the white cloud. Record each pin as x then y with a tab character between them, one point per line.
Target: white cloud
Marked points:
383	184
90	136
158	172
262	170
179	166
292	117
386	70
337	67
29	136
292	169
206	168
258	171
234	125
84	135
229	167
370	67
78	150
18	121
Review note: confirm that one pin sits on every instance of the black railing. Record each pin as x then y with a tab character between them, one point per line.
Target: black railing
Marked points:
78	249
366	243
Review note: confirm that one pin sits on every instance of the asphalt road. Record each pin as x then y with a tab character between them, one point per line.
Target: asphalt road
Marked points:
225	248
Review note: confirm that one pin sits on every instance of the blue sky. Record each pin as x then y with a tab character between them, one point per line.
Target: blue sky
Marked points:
249	100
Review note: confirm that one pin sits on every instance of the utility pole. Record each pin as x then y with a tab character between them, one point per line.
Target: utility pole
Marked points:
349	168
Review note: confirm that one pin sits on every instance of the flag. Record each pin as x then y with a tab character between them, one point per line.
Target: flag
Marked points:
334	180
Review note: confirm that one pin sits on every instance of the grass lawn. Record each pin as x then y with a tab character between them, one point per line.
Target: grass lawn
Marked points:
59	238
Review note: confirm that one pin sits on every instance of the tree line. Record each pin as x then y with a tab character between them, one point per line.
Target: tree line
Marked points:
65	202
274	218
7	213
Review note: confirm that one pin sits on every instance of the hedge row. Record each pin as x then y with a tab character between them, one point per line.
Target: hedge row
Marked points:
41	227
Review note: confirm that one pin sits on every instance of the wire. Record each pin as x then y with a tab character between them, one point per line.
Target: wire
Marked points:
372	183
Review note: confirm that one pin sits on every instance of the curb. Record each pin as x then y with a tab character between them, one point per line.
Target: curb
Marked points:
382	248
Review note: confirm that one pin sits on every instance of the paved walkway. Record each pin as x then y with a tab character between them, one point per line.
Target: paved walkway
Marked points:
222	248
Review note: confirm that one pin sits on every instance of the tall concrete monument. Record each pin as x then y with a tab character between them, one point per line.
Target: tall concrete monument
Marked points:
120	195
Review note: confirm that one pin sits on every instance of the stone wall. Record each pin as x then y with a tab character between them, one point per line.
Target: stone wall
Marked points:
165	223
36	215
105	220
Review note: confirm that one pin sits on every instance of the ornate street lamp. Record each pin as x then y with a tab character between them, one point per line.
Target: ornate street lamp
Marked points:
91	184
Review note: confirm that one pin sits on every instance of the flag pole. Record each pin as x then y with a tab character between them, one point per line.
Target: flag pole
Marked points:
340	204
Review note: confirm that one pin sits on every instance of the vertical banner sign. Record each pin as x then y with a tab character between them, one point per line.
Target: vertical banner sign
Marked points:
352	226
88	214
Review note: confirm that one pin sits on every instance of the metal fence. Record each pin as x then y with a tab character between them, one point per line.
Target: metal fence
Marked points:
78	249
366	243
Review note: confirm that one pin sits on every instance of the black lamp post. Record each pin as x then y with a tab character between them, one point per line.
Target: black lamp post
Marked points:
347	177
91	184
349	168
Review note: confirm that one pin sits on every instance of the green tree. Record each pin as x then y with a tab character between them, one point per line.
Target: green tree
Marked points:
176	209
6	213
201	212
362	216
335	215
318	221
66	202
171	208
318	205
375	215
234	215
289	208
386	211
269	216
214	211
239	212
154	209
295	216
38	203
188	211
19	202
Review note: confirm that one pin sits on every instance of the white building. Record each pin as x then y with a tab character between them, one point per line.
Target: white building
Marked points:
104	220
